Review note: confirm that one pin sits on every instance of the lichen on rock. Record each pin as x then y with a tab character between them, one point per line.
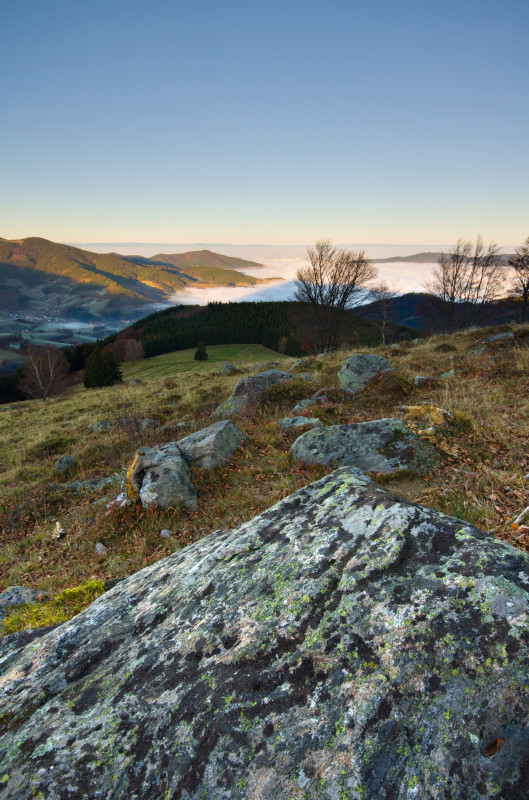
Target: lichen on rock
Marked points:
383	445
345	643
359	369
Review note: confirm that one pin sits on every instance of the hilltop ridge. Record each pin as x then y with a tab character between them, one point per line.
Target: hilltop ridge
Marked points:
41	276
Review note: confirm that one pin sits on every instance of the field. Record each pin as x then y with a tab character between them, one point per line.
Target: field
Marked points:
482	452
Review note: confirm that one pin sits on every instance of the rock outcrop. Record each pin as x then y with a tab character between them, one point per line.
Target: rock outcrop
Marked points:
248	390
344	644
160	476
383	445
358	370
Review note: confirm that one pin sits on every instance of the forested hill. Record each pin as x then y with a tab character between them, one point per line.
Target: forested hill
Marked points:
44	277
272	324
204	258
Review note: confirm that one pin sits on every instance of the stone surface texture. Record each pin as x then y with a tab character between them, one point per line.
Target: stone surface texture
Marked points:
343	644
383	445
300	422
358	370
308	402
17	596
212	446
65	464
160	476
247	391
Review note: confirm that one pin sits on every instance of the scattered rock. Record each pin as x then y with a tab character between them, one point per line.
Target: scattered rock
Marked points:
310	401
300	422
500	337
423	380
159	476
227	368
343	643
358	370
477	351
89	485
135	382
247	391
19	596
383	446
452	373
148	422
166	533
213	445
101	549
101	426
304	376
65	464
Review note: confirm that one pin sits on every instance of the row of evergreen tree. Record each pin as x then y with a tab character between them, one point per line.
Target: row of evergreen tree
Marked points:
267	323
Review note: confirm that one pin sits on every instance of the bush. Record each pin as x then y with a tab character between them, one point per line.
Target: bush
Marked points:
102	369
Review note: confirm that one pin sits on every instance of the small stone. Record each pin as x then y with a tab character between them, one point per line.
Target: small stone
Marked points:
227	368
166	533
65	464
300	422
450	374
500	337
422	380
310	401
134	382
101	549
101	426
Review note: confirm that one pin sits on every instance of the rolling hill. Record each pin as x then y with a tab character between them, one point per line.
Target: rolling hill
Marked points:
44	277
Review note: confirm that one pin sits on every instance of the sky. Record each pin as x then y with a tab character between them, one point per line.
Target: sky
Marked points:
277	123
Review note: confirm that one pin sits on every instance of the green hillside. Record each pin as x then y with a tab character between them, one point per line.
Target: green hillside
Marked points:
44	277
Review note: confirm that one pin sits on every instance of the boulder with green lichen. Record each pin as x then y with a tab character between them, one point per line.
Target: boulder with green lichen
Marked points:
383	445
343	644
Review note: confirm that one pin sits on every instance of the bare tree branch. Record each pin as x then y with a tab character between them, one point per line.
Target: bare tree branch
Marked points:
467	278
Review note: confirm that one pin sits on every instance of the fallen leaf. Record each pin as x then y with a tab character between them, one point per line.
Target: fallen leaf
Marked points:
494	747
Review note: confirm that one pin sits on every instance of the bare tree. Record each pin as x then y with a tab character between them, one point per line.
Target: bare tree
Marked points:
384	296
467	278
45	372
334	280
519	283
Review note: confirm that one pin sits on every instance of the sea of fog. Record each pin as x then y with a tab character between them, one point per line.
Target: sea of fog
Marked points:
279	261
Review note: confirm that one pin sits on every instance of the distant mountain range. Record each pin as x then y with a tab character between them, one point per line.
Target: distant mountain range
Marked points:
423	258
40	276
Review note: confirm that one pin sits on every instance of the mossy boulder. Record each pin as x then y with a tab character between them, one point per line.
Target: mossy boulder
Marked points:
359	369
344	644
383	445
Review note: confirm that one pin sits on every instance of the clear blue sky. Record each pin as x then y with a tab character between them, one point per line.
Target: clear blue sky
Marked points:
276	122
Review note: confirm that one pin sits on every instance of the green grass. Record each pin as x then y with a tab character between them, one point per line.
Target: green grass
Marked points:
183	361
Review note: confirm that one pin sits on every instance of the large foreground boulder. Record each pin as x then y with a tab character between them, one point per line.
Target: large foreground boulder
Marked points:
344	644
383	445
248	390
358	370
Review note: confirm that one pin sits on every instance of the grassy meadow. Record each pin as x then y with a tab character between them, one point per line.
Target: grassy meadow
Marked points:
482	454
